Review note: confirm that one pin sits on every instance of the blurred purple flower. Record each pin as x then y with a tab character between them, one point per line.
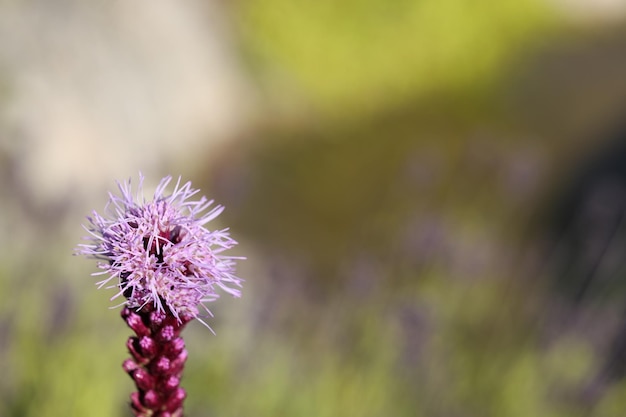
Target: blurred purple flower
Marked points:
159	252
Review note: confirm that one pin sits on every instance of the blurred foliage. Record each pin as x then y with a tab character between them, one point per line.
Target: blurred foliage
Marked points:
385	277
54	362
360	56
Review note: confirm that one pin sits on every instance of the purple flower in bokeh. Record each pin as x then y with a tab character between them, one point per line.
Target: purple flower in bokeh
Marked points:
159	252
163	260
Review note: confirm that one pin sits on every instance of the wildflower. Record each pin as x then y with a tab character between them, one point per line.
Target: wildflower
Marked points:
159	252
167	265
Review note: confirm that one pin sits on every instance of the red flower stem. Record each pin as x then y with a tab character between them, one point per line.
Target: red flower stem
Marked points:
157	360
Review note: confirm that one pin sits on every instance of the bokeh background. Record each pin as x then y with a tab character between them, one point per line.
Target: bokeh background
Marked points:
430	195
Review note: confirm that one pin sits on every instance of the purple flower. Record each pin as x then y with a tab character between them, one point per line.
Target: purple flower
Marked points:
163	260
159	253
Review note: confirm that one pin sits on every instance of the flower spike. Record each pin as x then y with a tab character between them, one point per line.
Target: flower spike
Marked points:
167	266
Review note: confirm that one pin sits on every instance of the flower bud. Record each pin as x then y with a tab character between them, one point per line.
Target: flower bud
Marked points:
143	379
136	404
148	347
162	365
129	365
167	333
135	322
177	364
171	383
156	318
175	400
151	399
174	348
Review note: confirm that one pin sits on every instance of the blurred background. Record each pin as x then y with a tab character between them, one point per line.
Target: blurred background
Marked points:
430	195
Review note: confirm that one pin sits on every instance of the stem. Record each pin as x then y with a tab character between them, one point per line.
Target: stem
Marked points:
158	358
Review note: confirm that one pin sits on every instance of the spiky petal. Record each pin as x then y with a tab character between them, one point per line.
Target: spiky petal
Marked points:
159	252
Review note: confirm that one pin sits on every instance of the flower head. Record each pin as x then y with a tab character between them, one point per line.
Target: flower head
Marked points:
159	252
